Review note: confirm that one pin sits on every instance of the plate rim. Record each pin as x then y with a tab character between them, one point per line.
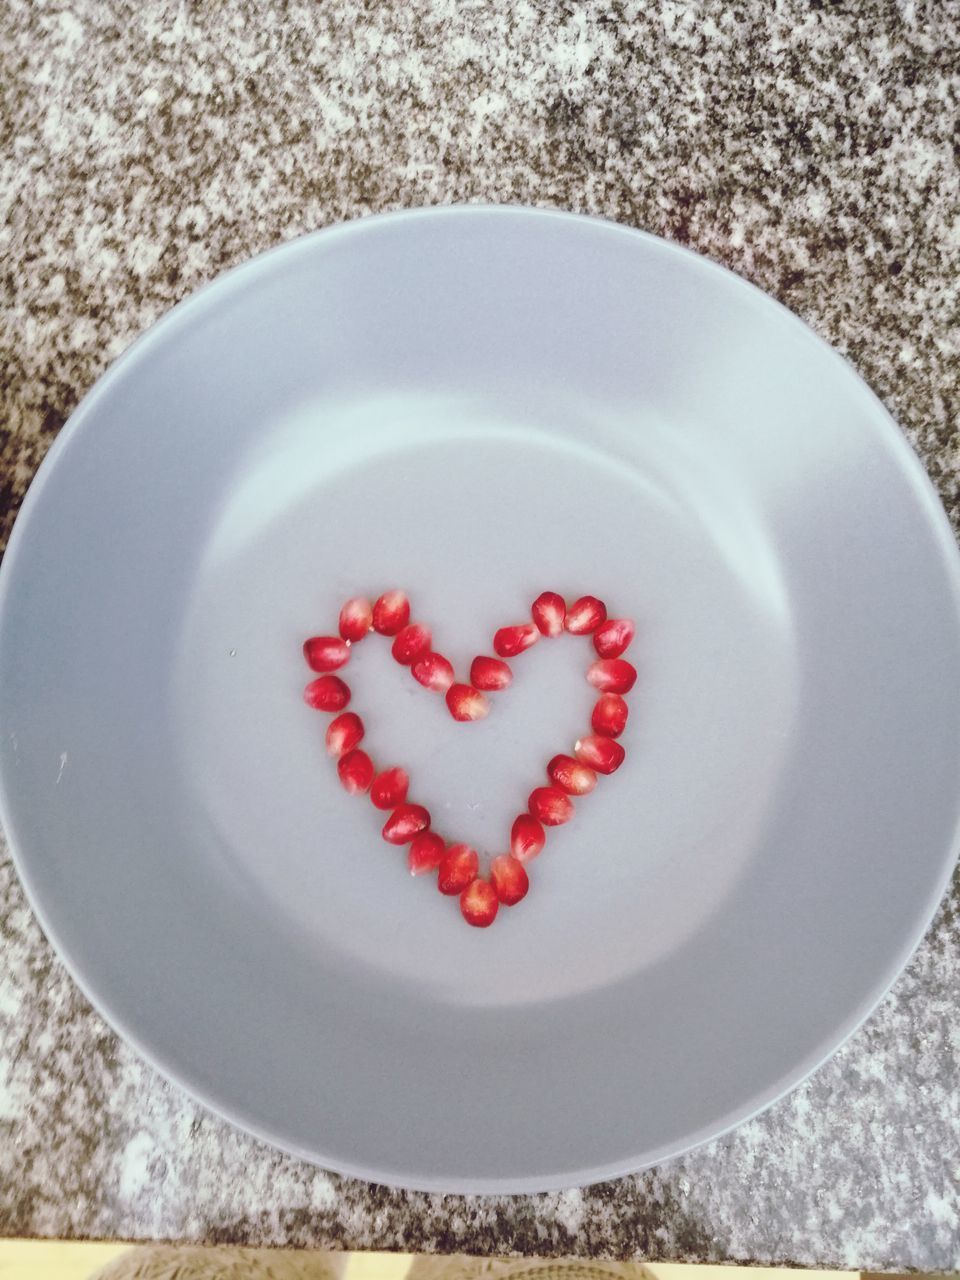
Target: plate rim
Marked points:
238	276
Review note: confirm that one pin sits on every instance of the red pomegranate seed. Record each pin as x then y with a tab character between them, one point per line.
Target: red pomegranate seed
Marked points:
434	672
412	643
490	673
549	611
479	904
585	615
325	653
426	853
406	821
602	754
328	693
509	879
466	703
571	776
458	868
612	675
391	613
550	806
356	618
344	733
390	788
609	717
509	641
613	638
527	838
356	771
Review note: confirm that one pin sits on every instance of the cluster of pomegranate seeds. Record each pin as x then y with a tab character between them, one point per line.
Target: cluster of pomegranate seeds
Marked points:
457	866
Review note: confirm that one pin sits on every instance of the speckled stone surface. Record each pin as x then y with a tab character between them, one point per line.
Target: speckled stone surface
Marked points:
810	147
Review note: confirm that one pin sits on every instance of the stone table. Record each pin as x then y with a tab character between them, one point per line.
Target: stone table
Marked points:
144	148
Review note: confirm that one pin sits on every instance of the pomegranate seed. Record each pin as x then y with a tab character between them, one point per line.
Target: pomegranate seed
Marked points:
549	611
612	675
328	693
479	904
356	618
390	788
434	672
550	806
391	613
466	703
490	673
426	853
326	653
614	637
602	754
609	717
509	879
412	643
344	733
458	868
585	615
509	641
571	776
406	821
527	838
356	771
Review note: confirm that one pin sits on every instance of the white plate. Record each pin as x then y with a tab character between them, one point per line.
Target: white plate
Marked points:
477	405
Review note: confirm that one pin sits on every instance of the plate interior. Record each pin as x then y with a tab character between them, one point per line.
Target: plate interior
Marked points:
478	405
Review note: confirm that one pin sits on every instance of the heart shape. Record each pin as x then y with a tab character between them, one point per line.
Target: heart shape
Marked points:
457	865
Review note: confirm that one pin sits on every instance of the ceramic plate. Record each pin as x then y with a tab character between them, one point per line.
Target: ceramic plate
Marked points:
476	405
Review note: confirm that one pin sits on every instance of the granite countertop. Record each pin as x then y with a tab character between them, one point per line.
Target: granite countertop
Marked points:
807	145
